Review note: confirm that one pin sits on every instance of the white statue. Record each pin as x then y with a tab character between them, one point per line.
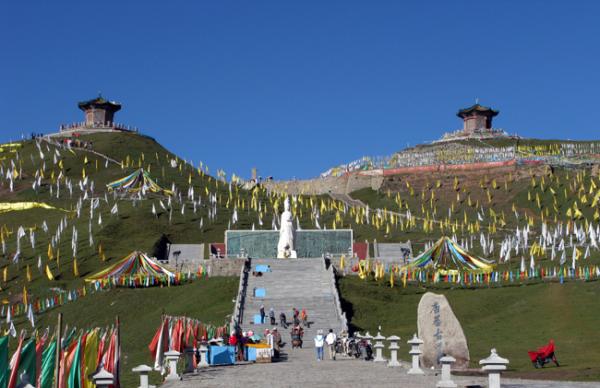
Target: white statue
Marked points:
285	246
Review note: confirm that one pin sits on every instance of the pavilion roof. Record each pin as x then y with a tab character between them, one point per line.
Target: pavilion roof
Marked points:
99	102
478	109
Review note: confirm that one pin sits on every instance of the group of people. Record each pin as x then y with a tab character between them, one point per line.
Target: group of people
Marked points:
299	321
320	341
241	339
299	317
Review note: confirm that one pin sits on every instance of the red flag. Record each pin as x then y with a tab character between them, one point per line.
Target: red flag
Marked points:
101	346
39	349
109	355
12	382
153	345
176	336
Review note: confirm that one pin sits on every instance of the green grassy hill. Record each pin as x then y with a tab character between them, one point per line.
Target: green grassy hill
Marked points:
447	205
135	227
511	319
495	204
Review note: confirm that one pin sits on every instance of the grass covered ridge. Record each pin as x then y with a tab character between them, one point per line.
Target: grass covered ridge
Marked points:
511	319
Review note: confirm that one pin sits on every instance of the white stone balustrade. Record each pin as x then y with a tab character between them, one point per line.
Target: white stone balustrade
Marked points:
446	379
494	365
172	356
103	379
144	371
368	337
379	348
415	353
393	351
203	356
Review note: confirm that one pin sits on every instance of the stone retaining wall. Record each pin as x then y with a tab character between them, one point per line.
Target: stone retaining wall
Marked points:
381	179
223	267
330	185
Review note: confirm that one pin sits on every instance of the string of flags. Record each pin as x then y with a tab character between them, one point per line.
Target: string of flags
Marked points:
34	306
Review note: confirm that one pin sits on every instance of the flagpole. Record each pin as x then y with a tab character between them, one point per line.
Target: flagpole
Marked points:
58	348
117	369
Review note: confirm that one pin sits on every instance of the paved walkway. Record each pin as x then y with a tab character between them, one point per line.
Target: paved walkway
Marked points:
302	370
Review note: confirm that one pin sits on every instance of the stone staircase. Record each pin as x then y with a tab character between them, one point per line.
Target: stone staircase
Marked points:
299	283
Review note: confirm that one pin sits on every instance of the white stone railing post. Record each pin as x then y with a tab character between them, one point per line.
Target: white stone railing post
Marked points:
172	356
143	370
379	348
415	352
494	365
393	351
203	355
367	337
446	380
103	379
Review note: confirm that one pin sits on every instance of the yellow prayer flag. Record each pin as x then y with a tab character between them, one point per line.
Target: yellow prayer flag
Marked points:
25	299
75	268
49	273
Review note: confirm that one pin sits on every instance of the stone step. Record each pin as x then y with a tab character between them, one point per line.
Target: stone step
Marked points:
299	283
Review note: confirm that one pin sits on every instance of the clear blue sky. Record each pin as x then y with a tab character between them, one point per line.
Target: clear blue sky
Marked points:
294	88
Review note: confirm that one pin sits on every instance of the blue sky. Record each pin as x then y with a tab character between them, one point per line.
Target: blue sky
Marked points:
293	88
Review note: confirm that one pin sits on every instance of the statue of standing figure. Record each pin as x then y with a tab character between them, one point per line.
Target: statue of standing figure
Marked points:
285	246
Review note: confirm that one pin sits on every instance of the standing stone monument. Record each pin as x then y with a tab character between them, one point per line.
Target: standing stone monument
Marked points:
285	246
441	332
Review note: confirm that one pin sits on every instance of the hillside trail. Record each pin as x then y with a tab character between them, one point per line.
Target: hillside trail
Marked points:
103	156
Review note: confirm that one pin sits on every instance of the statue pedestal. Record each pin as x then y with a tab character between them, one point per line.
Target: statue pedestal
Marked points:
287	255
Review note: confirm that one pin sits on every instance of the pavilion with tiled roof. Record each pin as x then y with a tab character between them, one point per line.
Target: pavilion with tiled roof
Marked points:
477	118
99	112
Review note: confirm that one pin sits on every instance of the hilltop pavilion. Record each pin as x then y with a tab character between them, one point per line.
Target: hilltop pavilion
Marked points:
99	116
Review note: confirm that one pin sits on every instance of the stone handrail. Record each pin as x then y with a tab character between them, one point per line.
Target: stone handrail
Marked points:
336	296
238	309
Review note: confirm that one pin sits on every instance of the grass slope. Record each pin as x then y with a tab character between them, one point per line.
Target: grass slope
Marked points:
135	227
511	319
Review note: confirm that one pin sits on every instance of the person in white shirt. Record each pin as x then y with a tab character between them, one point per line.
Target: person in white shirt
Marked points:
270	341
330	340
319	343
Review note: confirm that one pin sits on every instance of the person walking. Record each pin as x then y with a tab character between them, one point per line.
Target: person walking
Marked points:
319	343
262	314
330	339
304	318
277	343
283	320
272	316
